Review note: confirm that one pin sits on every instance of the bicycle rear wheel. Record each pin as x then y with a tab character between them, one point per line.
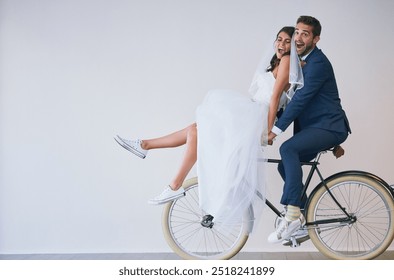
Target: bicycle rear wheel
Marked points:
190	238
371	206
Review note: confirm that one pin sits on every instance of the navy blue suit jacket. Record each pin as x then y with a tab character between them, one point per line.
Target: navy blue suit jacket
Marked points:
317	104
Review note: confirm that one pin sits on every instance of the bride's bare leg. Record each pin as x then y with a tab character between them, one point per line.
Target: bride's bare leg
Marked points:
172	140
186	136
189	158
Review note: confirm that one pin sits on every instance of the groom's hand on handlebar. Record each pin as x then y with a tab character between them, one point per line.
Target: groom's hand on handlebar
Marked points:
271	138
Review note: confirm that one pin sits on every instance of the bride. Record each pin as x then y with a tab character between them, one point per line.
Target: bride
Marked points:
227	137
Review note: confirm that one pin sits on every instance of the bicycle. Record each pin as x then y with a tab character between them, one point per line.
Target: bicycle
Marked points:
349	215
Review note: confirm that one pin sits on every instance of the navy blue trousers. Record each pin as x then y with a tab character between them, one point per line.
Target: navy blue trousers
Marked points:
303	147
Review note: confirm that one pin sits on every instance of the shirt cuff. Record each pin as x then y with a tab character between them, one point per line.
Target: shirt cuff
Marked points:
276	130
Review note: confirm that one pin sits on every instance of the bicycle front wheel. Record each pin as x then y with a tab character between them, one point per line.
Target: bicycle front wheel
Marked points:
371	228
191	238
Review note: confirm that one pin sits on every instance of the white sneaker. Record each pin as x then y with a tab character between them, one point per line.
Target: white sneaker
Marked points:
285	229
167	195
133	146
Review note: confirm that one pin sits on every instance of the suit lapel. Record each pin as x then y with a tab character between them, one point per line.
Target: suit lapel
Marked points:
312	53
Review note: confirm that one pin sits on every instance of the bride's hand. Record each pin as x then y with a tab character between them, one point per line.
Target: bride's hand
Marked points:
264	140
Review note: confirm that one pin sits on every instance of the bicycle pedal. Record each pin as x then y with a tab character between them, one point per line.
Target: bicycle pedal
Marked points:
295	242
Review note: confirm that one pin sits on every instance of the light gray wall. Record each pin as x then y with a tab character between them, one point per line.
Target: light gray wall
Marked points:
74	73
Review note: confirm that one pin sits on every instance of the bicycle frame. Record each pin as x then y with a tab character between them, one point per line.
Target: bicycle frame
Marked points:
314	168
339	232
312	164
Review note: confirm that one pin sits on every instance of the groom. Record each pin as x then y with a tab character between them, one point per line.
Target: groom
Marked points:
319	123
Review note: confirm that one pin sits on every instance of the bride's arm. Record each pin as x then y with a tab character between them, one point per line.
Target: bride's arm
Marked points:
281	84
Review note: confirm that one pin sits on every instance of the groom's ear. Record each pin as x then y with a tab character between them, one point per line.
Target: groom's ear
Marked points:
316	39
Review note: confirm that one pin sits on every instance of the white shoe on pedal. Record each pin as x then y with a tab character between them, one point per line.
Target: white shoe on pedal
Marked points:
285	229
167	195
133	146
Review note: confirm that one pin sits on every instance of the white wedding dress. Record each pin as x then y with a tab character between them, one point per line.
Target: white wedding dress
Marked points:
230	163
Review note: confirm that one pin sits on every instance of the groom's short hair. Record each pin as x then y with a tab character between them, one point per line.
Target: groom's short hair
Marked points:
311	21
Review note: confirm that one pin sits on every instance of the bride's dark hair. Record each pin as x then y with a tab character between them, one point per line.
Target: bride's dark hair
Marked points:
289	30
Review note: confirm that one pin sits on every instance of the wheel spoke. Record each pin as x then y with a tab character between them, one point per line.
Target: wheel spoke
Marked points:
188	237
371	230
